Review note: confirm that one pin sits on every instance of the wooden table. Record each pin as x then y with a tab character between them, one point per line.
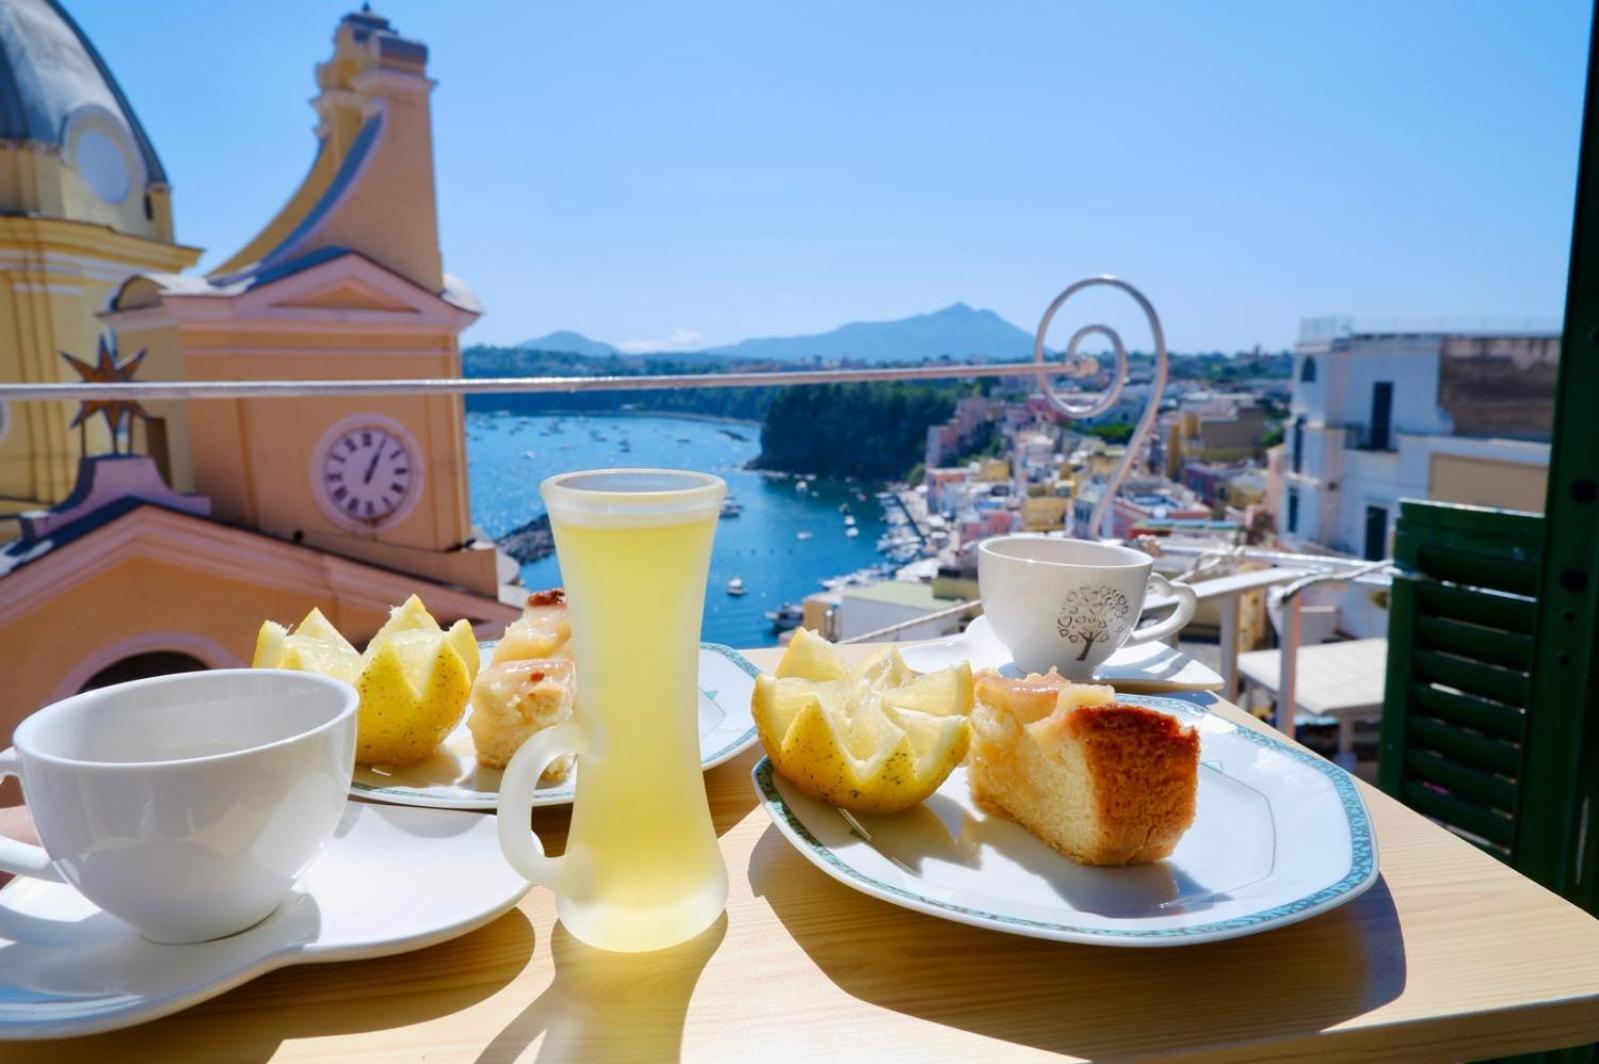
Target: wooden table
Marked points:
1342	681
1450	956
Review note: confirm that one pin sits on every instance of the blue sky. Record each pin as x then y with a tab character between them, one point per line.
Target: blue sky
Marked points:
716	170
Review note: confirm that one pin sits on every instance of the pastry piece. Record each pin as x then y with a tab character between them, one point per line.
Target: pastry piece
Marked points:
529	685
1103	782
541	633
514	699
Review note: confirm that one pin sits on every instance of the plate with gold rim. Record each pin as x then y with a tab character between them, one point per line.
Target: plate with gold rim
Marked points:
1280	835
452	778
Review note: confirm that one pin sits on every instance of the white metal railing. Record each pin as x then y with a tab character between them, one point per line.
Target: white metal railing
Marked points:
1288	672
144	390
1298	572
1038	369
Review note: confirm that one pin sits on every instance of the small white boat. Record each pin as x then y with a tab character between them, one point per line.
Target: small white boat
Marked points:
802	535
529	454
852	531
801	486
849	520
735	587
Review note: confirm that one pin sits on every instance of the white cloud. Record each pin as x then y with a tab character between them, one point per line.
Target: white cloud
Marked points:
681	339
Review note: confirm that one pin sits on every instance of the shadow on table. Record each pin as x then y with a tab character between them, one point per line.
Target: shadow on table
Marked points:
606	1006
1089	1001
728	788
316	1000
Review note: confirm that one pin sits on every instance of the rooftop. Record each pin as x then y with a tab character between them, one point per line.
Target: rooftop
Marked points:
897	593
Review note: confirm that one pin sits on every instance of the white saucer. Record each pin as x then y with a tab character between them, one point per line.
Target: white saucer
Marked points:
67	968
1150	668
452	778
1280	835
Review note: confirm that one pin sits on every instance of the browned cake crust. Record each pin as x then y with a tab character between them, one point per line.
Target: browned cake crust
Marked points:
1146	776
1104	784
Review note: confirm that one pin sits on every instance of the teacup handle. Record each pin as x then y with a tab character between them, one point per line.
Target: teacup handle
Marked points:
1187	603
519	842
16	856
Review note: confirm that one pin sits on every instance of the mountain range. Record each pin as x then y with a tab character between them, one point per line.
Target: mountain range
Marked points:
959	331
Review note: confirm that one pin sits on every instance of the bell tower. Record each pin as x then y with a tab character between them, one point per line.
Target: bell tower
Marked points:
345	282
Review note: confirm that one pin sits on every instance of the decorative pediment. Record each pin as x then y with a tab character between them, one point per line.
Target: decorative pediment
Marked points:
348	294
333	286
346	287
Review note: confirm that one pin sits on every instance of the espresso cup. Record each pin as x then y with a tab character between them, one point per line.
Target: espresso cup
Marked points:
186	805
1071	603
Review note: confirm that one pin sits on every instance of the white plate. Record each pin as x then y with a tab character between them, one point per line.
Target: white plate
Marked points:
67	968
452	778
1148	667
1281	835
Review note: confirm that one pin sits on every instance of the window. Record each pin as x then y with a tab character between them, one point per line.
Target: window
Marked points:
1293	510
1299	442
1376	533
140	666
1382	417
1307	371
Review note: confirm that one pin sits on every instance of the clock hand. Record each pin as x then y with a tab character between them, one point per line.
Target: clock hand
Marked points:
376	454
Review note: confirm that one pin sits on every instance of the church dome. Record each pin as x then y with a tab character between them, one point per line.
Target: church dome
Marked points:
57	93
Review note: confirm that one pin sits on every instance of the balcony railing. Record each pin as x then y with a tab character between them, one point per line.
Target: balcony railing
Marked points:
1362	438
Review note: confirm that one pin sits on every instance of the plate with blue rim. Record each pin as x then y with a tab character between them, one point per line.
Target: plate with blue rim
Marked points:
1280	835
452	778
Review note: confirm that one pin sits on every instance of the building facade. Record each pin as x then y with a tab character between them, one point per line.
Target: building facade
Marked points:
168	553
84	204
1380	417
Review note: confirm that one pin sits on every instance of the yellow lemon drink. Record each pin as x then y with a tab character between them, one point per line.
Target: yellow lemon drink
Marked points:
642	869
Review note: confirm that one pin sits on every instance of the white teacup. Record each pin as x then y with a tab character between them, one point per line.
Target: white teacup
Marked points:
187	805
1071	603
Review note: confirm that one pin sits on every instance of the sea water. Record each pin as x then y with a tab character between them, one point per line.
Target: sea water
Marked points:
510	454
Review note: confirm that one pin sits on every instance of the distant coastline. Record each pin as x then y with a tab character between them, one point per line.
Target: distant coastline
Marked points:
674	414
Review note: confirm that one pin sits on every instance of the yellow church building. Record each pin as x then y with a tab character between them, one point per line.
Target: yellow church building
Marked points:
225	512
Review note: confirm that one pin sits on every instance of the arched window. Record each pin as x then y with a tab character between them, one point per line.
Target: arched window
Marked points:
1307	372
139	666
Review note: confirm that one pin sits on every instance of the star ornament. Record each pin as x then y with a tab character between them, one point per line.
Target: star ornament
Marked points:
108	369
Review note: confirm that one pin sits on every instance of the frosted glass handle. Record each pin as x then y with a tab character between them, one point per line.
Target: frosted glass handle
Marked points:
16	856
519	842
1187	603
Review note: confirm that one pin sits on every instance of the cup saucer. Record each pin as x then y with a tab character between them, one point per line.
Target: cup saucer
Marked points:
1147	668
68	968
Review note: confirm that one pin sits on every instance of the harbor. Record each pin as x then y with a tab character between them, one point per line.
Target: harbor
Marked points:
780	542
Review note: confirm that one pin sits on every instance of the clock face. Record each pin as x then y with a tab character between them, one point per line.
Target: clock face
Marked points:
366	474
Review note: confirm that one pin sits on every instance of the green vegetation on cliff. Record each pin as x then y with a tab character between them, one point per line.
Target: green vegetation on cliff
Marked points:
873	431
745	404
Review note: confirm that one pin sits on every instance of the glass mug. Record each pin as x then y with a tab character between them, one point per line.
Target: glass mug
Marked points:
642	869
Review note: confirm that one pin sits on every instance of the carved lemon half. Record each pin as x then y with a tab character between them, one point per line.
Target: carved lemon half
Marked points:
876	738
413	679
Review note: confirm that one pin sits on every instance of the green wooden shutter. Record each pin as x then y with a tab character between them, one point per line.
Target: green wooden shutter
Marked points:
1558	832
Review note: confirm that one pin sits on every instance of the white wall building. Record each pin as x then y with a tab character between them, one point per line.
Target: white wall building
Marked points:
1376	418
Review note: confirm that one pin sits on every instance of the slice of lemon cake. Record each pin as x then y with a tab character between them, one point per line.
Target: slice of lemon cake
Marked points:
1103	782
514	700
529	685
